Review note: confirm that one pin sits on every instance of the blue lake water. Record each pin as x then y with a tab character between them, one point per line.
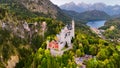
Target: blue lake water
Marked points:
96	24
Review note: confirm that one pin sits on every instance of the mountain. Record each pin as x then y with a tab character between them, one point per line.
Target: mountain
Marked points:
88	15
116	16
93	15
71	6
81	7
43	8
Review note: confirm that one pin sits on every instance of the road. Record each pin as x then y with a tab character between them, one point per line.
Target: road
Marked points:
98	32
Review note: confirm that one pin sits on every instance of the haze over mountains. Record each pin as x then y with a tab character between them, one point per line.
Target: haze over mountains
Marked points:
81	7
88	15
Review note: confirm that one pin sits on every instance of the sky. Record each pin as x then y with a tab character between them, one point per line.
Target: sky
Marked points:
108	2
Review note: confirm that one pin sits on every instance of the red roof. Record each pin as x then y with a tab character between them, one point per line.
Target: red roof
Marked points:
54	45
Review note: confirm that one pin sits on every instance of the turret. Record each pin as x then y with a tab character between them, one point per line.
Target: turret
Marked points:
73	28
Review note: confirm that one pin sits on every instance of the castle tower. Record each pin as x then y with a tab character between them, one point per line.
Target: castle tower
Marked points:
73	28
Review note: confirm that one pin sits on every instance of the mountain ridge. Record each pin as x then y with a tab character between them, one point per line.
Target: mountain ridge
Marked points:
88	15
81	7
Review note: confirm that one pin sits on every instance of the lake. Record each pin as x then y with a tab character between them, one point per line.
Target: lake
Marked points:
96	24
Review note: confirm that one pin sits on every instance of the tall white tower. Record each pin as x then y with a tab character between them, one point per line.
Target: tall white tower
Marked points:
73	28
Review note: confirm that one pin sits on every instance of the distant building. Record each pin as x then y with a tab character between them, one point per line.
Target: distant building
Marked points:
26	27
80	60
3	25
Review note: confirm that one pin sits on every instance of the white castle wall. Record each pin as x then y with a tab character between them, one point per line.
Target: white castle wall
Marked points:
65	36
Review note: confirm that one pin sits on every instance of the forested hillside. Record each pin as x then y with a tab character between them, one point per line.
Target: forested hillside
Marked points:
23	47
112	29
31	8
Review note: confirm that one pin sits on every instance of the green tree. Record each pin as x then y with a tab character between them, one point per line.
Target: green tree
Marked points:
102	54
92	63
78	52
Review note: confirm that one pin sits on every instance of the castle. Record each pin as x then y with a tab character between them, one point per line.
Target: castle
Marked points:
63	38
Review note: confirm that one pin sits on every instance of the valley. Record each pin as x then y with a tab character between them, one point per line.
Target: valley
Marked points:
95	25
